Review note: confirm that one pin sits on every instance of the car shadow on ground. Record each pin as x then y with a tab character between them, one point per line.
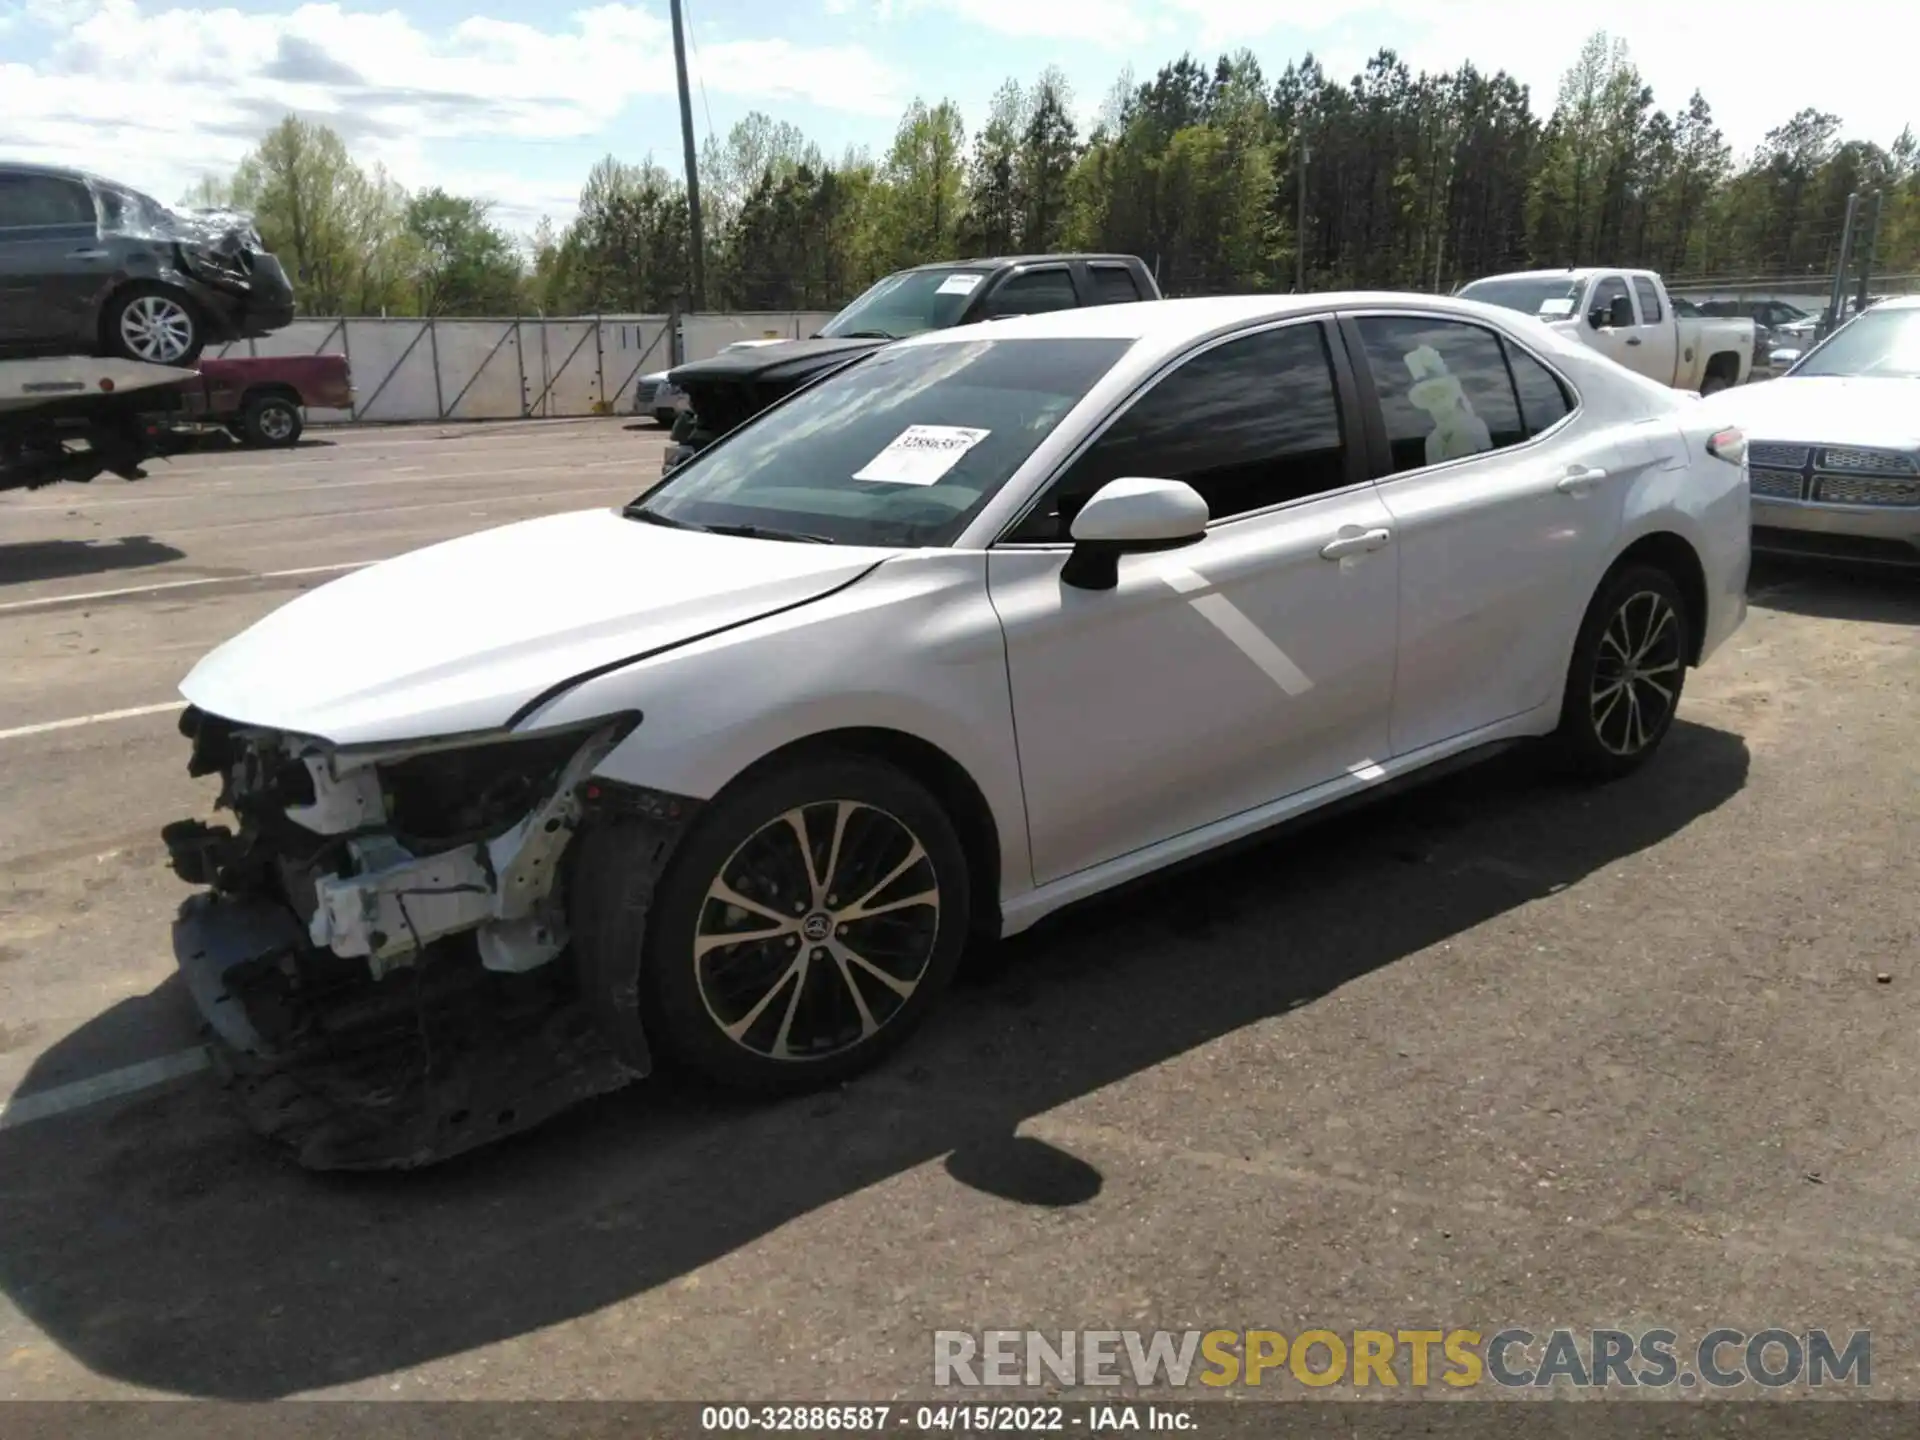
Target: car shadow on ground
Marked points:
162	1245
1836	590
61	559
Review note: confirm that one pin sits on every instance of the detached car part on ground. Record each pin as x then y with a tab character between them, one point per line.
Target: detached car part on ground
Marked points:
996	620
1834	443
726	391
89	266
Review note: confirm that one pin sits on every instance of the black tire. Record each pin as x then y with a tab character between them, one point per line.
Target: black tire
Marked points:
638	942
270	422
176	333
665	418
1625	683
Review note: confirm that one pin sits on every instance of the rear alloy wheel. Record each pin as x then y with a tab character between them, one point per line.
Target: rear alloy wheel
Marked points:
805	928
1629	667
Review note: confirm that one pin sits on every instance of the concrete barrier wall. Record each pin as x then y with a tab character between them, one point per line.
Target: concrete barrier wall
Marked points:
510	369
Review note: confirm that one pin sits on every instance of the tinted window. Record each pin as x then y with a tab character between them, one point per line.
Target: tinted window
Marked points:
1113	285
1649	295
1544	401
900	448
1605	293
1032	294
44	200
1443	388
1248	424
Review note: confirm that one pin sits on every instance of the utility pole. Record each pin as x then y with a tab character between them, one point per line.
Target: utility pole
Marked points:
1300	223
1871	253
1836	302
697	260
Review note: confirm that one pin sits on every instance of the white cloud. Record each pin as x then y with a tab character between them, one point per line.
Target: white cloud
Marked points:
156	98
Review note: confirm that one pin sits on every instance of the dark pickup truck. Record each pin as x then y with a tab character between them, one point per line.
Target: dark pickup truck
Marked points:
731	388
260	399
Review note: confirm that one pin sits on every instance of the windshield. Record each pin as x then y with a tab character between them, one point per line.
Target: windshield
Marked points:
1882	343
900	449
909	302
1550	299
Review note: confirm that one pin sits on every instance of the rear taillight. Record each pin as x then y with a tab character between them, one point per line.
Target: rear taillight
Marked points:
1729	445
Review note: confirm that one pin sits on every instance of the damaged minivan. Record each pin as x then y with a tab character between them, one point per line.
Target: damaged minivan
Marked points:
90	267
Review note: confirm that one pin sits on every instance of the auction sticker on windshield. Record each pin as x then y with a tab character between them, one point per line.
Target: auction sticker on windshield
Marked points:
1553	309
921	454
958	285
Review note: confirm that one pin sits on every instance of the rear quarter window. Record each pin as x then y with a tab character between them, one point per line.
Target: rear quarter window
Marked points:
1114	285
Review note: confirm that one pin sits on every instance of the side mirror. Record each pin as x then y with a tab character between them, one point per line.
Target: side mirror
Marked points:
1131	516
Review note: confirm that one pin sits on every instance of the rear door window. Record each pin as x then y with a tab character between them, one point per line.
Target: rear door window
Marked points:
1443	387
1114	285
36	201
1649	293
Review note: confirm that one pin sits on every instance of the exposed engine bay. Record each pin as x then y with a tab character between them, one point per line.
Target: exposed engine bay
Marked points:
375	952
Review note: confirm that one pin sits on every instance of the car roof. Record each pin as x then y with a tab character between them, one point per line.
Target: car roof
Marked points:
1171	325
1896	302
58	172
1002	261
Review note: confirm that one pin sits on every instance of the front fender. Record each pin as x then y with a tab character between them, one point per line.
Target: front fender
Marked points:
914	647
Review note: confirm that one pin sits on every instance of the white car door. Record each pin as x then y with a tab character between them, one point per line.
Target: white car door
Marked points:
1609	339
1505	507
1655	342
1231	672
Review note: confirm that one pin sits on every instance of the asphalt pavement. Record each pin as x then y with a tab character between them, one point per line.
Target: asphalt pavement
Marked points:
1497	1052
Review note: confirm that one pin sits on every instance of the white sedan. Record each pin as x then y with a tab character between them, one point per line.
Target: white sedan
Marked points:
1834	443
983	625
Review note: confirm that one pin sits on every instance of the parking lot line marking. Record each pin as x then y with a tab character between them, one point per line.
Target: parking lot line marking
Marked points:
95	1088
41	602
78	720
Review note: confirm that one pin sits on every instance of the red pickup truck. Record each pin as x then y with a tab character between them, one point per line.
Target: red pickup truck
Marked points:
260	400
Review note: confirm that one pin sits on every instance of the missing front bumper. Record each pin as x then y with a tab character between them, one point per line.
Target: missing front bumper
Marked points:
353	1073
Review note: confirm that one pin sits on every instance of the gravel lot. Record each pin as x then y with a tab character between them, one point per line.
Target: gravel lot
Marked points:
1496	1052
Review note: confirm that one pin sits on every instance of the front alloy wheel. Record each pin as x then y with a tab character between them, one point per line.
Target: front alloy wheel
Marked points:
156	328
816	931
802	927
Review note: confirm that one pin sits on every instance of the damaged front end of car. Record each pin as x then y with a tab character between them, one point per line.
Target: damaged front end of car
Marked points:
374	952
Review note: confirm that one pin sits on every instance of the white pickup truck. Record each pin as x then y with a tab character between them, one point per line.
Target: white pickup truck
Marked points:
1626	316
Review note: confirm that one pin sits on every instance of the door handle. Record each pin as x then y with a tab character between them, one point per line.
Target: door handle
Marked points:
89	254
1579	481
1633	340
1344	545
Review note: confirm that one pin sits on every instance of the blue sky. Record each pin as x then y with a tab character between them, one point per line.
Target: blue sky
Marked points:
513	99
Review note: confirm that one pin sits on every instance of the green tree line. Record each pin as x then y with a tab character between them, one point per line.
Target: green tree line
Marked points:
1221	176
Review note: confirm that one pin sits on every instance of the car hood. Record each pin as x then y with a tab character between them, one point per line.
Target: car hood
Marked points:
753	362
460	636
1838	410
